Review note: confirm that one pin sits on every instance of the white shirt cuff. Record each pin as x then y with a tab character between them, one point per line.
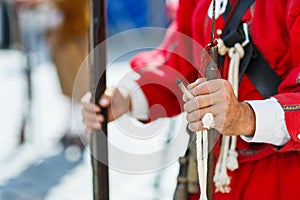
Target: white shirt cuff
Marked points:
270	123
139	103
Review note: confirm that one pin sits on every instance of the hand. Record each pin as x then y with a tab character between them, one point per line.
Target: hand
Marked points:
116	102
217	97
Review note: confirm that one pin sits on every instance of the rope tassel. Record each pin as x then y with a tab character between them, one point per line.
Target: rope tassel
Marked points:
232	162
221	178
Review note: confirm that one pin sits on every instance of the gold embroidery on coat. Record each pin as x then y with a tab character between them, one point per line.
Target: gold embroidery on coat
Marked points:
289	108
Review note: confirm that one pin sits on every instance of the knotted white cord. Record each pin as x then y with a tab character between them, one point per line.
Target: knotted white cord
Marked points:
232	162
228	155
222	180
201	160
201	146
202	153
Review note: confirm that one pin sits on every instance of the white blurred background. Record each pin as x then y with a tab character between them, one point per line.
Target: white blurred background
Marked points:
39	166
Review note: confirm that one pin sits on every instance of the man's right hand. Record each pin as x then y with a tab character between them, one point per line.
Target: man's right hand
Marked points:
116	102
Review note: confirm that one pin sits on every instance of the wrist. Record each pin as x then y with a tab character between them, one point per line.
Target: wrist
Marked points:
247	120
126	99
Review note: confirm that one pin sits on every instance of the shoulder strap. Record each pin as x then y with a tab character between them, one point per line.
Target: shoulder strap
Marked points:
5	26
263	77
261	74
233	19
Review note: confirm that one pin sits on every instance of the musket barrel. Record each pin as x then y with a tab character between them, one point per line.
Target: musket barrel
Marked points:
211	73
97	64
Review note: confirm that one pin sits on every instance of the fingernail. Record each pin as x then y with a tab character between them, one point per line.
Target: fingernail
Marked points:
201	80
191	86
100	118
104	102
198	80
97	109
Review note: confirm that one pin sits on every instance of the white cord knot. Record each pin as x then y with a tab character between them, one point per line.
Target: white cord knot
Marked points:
232	162
208	121
237	51
222	183
221	47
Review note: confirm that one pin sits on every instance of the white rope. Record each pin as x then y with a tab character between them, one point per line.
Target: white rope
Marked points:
202	153
205	154
201	165
216	178
222	179
228	155
232	162
201	146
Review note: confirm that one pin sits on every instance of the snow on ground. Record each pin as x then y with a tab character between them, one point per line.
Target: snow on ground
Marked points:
40	169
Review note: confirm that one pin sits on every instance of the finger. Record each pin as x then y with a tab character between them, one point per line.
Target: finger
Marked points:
200	102
90	122
86	102
86	98
197	82
90	107
208	87
105	99
197	115
109	91
92	117
185	98
191	86
92	125
196	126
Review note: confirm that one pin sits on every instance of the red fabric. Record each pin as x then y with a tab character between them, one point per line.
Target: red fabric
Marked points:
266	172
275	177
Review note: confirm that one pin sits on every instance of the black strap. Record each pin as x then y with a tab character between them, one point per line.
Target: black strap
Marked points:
230	34
263	77
227	10
253	64
5	26
235	18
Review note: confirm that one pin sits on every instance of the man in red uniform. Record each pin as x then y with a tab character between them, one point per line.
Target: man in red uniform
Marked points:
269	157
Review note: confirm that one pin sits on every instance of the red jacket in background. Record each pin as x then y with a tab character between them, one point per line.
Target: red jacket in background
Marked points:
266	172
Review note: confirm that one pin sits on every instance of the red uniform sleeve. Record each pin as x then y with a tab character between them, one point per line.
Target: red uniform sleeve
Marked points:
289	90
172	60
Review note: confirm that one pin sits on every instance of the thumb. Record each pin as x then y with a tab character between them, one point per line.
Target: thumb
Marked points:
105	99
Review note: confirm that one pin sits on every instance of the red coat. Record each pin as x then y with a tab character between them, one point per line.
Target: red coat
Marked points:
266	172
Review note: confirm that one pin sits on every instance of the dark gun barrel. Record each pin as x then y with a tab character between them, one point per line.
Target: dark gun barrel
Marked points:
97	64
211	72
